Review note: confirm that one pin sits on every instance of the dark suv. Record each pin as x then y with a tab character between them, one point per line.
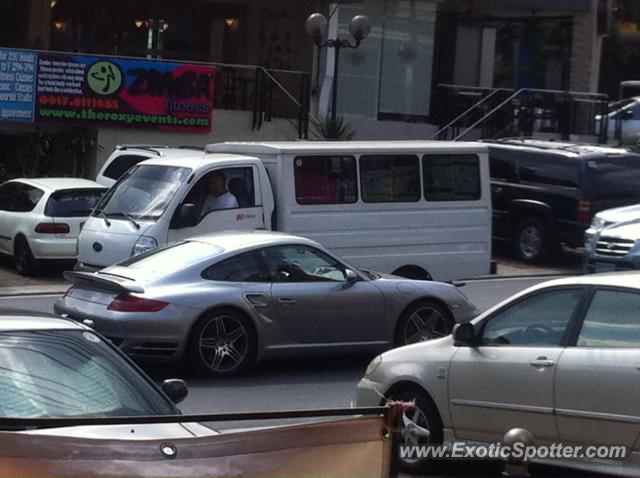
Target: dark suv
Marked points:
546	192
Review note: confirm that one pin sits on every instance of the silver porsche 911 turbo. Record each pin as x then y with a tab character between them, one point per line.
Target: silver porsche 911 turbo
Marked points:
224	301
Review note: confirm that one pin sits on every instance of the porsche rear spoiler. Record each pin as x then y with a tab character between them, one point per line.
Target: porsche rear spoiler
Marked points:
102	281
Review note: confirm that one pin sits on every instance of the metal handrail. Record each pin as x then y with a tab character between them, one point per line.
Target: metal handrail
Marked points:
490	114
464	113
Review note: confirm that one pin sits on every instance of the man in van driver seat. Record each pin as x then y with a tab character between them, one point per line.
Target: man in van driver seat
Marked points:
219	196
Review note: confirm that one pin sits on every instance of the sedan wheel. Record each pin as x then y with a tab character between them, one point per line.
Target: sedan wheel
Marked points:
426	416
23	258
426	321
222	344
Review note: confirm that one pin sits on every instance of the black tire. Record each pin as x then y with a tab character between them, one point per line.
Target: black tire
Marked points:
222	351
413	273
425	415
23	257
531	240
422	321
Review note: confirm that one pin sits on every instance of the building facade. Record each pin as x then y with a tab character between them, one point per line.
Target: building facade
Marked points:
269	71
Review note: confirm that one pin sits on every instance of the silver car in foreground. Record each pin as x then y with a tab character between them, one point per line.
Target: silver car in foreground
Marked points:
561	360
225	300
52	367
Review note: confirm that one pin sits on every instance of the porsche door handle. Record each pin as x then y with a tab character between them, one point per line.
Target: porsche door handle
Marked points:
286	301
542	362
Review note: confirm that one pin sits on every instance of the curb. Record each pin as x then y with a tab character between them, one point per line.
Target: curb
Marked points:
32	290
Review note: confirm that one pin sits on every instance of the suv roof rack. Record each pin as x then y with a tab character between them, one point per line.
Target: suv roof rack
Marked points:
195	148
551	144
147	147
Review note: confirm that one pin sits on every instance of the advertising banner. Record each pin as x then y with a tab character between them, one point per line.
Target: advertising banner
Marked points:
118	92
125	92
17	85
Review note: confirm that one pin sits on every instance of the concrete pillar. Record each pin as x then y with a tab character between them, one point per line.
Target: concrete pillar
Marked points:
39	24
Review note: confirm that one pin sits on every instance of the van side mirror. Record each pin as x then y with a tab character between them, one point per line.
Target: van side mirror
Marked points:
351	276
187	214
464	335
175	389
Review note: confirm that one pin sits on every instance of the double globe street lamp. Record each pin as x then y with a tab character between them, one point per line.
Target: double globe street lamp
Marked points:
317	27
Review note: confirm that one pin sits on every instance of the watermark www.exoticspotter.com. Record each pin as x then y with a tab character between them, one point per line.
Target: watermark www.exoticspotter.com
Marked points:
517	452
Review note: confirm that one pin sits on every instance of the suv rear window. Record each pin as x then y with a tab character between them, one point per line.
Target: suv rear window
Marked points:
614	176
122	164
73	202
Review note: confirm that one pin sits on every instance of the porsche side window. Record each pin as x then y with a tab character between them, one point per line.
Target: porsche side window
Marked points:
245	267
540	320
301	264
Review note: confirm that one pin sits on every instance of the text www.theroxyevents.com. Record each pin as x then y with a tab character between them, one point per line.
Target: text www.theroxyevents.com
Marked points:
125	118
519	452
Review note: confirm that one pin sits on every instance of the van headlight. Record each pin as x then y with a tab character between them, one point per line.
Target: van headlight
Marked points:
373	365
143	244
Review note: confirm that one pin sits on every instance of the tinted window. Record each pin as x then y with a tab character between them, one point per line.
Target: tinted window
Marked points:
25	198
7	191
390	178
614	177
73	203
502	169
325	179
613	320
121	165
540	320
57	374
451	177
549	169
301	264
245	267
174	257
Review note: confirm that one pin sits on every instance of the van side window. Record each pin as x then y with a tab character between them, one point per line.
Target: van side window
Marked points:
549	169
390	178
122	164
451	177
325	179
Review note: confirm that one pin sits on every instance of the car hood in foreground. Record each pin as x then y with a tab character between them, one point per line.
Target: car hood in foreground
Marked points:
630	231
621	214
156	431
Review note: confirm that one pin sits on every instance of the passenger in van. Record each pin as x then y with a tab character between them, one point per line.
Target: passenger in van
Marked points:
219	196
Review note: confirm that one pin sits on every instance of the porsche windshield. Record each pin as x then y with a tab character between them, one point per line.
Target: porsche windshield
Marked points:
144	192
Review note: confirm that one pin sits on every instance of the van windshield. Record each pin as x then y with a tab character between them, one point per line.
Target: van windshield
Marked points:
144	192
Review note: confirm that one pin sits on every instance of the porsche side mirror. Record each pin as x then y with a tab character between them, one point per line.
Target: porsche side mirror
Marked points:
351	276
464	335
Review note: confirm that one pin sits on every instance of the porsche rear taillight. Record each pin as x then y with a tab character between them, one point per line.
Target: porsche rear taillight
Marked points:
131	303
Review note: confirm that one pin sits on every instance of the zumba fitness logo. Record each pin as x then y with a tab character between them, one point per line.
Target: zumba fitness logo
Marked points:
105	78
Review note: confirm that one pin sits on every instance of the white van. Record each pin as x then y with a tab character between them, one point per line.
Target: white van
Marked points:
417	209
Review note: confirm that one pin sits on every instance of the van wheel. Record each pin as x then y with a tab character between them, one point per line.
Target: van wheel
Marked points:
222	343
531	240
413	273
425	415
23	257
421	322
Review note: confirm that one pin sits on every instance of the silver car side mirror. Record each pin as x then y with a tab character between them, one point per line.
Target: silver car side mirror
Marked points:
175	389
351	276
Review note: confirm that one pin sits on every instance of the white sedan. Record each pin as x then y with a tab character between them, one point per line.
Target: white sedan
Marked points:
42	218
561	360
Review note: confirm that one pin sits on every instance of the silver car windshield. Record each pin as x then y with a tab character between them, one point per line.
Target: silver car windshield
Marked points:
71	374
143	193
174	257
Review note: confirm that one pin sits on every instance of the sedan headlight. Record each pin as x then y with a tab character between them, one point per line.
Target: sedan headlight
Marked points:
144	244
597	223
373	365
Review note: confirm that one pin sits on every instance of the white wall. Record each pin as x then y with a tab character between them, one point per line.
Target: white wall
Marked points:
228	126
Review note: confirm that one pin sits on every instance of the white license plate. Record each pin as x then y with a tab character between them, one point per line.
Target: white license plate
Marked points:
605	267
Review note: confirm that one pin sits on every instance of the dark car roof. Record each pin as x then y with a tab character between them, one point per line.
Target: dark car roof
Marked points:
564	148
17	320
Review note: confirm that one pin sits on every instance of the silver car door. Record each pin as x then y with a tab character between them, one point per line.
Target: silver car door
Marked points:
598	380
316	303
507	380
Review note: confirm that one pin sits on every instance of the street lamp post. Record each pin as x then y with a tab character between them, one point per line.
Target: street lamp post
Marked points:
317	27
